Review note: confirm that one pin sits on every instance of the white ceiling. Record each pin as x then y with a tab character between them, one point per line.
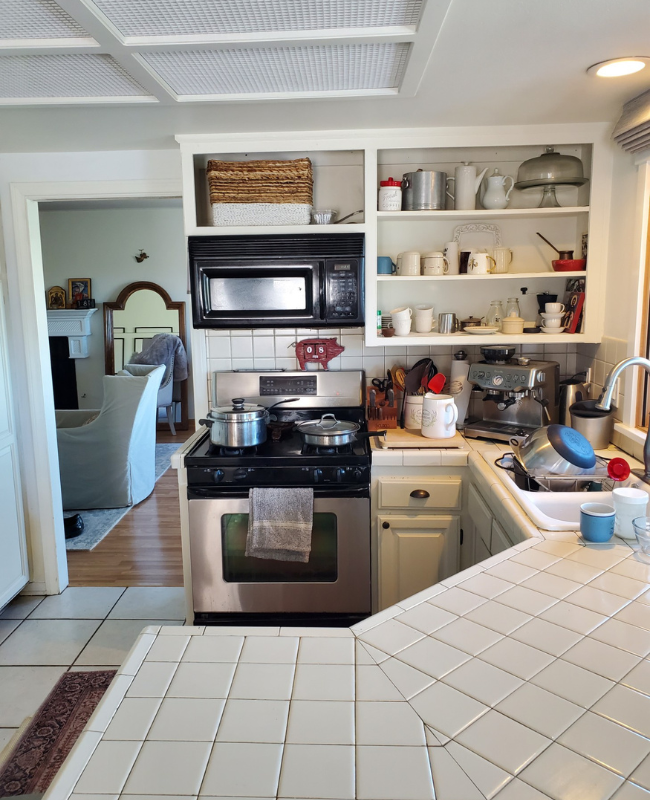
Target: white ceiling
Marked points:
471	62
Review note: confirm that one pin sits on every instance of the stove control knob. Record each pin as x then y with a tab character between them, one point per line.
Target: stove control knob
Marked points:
217	475
240	474
358	474
317	475
341	472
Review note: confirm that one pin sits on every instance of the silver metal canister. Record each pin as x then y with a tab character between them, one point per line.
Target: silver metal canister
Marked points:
595	425
424	191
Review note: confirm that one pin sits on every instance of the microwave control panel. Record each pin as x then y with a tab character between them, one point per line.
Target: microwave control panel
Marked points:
343	282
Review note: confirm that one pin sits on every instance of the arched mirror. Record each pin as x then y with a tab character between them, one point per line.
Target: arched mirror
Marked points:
141	311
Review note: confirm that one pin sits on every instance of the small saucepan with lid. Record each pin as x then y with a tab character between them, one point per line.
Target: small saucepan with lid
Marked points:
240	425
331	432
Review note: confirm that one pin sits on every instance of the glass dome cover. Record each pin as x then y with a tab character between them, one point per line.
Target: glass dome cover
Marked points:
550	169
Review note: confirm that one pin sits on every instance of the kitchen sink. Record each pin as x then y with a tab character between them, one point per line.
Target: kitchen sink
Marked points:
555	511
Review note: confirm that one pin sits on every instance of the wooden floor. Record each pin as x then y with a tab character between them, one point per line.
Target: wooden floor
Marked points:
144	548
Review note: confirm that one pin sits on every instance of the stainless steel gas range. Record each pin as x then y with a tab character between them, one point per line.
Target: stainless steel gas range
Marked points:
333	587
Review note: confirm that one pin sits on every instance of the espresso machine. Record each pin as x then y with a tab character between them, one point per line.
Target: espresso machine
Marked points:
520	395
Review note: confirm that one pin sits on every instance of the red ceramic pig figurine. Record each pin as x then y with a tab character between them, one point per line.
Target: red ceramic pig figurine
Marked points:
318	351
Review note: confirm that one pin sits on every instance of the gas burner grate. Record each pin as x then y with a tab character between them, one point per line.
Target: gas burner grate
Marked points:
232	452
318	450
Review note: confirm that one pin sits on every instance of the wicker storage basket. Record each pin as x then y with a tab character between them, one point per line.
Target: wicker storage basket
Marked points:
261	192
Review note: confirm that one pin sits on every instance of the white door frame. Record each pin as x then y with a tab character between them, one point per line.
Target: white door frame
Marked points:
34	394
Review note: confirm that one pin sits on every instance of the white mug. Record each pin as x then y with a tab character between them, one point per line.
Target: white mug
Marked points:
552	322
434	264
401	314
439	416
413	411
479	264
408	263
423	318
452	254
554	308
402	327
502	259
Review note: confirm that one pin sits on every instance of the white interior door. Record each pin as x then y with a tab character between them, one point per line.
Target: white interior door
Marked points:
13	547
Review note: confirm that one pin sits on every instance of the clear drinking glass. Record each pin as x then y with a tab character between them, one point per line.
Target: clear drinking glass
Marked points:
512	307
494	315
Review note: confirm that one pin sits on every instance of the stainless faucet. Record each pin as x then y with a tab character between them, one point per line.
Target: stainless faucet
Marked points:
605	403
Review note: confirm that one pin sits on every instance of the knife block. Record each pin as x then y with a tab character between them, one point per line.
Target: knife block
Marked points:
383	417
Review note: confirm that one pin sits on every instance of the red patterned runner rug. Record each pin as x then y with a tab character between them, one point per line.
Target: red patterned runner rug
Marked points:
44	746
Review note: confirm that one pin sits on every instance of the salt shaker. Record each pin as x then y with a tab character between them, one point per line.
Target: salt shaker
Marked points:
390	195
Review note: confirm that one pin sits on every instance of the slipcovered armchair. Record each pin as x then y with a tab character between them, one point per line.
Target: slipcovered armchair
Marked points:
107	458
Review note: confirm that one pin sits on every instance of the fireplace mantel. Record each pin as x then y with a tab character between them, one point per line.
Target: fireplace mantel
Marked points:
73	323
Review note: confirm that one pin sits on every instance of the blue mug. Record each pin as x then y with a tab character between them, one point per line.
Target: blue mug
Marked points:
597	522
385	266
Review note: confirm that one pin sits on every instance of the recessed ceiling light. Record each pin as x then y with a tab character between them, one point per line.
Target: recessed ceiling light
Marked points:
617	67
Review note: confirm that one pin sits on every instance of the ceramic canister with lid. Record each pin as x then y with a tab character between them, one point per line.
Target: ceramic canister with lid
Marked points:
390	195
629	504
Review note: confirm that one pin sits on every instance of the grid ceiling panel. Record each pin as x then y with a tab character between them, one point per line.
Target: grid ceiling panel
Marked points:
214	17
75	75
37	19
281	69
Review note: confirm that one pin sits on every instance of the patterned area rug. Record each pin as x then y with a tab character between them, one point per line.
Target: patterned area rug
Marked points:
42	749
99	522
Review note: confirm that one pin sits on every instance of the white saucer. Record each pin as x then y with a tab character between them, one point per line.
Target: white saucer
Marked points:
478	330
552	330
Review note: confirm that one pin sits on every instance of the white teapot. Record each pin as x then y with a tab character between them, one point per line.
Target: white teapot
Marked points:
496	195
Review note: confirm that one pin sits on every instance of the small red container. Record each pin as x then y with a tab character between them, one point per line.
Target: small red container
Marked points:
569	264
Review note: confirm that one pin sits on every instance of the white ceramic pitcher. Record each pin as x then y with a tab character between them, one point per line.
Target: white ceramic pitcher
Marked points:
439	416
496	195
466	184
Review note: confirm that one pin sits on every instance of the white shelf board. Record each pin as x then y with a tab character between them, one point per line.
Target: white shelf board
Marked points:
482	213
437	340
500	276
256	230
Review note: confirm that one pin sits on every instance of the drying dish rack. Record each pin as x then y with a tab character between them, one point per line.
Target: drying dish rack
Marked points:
588	481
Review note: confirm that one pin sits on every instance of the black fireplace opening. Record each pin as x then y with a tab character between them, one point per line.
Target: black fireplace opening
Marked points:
64	375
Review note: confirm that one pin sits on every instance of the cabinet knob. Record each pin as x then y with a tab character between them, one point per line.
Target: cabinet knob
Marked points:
385	524
420	494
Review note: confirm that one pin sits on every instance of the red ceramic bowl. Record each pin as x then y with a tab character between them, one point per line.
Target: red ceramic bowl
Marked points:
569	264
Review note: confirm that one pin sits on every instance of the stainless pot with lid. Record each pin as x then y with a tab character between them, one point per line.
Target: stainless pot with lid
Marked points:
424	190
331	432
240	425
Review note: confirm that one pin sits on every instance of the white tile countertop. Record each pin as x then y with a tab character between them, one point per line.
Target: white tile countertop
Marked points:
522	678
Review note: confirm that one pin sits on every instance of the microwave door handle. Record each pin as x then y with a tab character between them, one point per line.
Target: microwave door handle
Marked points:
323	293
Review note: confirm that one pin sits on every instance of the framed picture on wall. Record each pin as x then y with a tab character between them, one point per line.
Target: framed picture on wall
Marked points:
78	289
55	298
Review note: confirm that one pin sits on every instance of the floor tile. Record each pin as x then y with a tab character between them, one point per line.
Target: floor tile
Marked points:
575	618
317	771
635	614
511	571
624	636
169	768
326	651
322	722
152	680
165	648
597	600
552	585
22	690
457	601
572	683
79	602
486	776
582	573
606	743
263	721
112	641
324	682
619	584
184	719
269	650
388	724
391	636
133	718
450	782
467	636
639	678
560	773
407	679
21	606
627	707
546	636
384	773
610	662
426	618
540	710
502	619
47	642
432	657
213	649
519	659
146	602
482	681
503	741
486	585
8	626
446	709
108	768
526	600
373	684
641	774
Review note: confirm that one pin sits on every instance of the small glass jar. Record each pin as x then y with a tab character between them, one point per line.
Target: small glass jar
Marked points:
494	315
390	195
512	307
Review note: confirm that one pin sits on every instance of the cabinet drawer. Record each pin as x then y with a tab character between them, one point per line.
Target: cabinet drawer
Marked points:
500	541
420	493
480	515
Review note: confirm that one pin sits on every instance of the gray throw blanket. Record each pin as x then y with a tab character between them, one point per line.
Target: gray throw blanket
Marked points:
280	523
163	348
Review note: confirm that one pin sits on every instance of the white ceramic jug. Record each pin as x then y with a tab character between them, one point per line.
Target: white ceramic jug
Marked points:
466	183
439	416
496	195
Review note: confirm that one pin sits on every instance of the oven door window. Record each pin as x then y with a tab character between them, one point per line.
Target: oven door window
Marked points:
239	568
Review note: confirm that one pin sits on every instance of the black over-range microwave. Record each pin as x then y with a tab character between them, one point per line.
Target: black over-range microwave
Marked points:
300	281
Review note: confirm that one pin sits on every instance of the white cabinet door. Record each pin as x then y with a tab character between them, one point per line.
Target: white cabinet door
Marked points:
414	553
13	549
500	541
480	514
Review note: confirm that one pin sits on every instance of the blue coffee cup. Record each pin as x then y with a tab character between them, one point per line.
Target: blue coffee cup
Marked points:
386	266
597	522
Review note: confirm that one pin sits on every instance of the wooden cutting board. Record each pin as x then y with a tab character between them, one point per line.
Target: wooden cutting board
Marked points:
403	438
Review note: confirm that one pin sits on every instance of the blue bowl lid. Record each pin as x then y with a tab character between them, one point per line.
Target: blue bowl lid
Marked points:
572	446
